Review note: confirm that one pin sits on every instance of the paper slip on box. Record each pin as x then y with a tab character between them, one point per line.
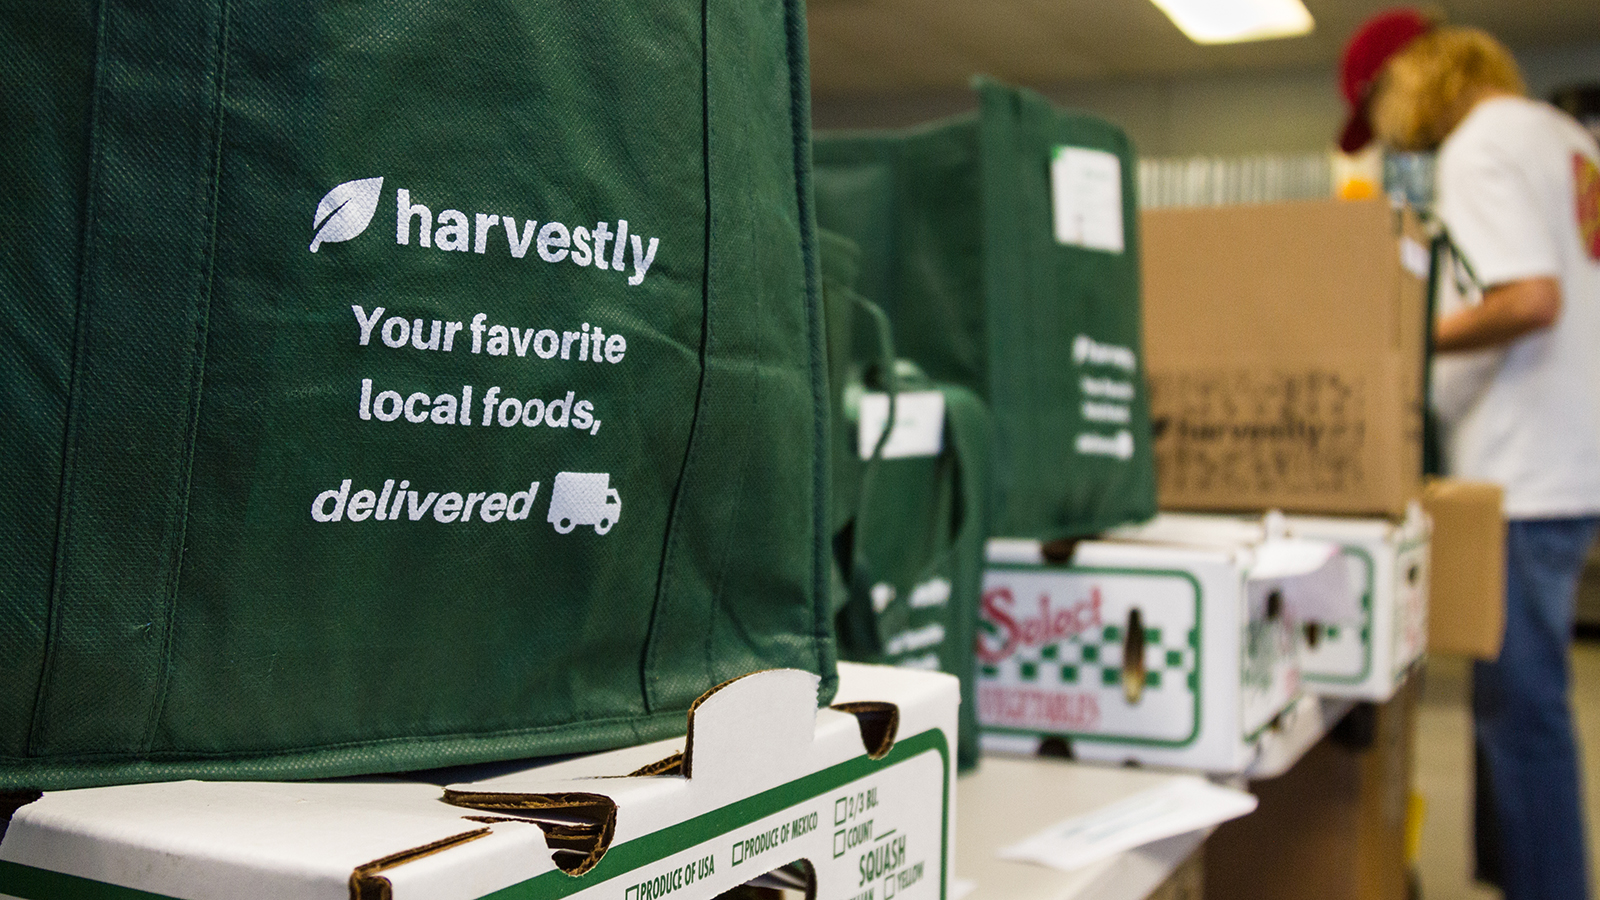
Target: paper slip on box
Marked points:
1389	568
1169	644
852	801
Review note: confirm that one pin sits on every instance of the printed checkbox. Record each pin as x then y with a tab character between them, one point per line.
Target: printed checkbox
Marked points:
888	887
632	893
838	843
840	811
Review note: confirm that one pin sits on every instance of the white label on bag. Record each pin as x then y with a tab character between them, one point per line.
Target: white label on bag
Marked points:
918	424
1086	198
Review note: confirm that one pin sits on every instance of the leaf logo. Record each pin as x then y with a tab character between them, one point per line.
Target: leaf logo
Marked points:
346	211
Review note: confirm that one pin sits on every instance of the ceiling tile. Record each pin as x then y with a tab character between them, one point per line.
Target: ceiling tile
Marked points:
889	46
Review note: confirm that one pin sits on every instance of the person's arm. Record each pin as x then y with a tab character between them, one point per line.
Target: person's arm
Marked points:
1508	311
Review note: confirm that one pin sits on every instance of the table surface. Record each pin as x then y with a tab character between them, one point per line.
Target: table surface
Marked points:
1009	798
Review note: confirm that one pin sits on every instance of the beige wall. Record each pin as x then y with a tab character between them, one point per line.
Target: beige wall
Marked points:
1278	112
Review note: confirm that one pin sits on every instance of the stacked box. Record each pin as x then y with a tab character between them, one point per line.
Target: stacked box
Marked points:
1466	595
1383	630
1161	649
1389	569
1286	346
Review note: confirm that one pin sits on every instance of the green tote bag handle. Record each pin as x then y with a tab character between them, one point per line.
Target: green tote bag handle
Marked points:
920	531
887	515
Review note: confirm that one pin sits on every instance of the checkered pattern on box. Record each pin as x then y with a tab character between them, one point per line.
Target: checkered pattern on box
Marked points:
1093	659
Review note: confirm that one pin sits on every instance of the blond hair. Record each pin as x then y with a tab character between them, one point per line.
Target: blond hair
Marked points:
1426	89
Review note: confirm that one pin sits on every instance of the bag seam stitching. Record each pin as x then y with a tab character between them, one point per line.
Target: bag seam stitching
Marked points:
65	526
186	450
739	495
800	133
671	540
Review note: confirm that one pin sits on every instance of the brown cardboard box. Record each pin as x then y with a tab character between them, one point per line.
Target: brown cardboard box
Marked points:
1466	596
1284	344
1331	828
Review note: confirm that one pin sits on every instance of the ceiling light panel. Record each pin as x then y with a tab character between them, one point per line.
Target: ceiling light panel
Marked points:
1232	21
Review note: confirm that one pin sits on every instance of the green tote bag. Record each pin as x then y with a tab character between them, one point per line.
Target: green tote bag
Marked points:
916	556
398	384
908	530
1004	248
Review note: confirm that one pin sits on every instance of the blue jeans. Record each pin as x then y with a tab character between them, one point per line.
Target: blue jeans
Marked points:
1529	802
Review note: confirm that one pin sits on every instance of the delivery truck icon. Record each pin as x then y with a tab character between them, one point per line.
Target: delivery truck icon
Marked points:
584	498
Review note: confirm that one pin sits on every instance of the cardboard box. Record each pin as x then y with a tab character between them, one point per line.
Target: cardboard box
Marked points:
1332	828
1369	655
1466	596
861	793
1168	646
1389	565
1295	732
1284	344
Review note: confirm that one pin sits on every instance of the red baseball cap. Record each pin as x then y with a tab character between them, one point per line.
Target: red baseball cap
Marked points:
1379	38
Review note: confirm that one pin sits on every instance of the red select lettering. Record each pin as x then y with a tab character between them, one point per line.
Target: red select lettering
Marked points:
1050	626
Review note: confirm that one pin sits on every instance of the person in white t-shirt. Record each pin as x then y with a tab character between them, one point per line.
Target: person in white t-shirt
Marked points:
1517	391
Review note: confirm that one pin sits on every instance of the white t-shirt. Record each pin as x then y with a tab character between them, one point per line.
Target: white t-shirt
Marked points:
1519	192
